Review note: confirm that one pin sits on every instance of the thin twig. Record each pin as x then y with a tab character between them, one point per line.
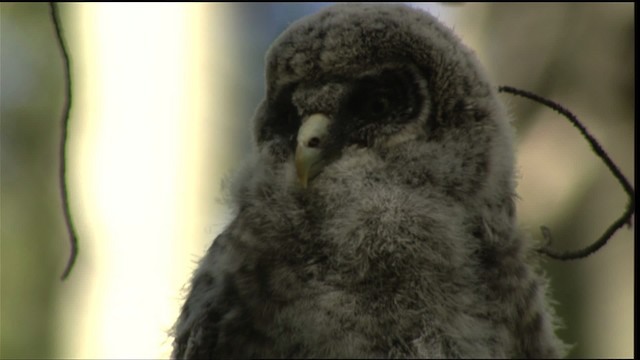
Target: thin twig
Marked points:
63	143
625	218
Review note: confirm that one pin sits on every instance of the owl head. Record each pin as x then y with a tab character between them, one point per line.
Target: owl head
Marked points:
361	94
390	80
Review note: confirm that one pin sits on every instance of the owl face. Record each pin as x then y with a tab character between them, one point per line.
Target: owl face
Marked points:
318	120
377	77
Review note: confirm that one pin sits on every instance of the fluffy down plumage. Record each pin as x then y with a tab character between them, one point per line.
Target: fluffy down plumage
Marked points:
404	242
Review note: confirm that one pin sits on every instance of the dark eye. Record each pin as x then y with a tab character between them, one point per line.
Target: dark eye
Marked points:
372	104
378	105
279	119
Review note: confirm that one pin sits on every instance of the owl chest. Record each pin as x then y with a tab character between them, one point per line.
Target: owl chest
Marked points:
330	309
346	300
318	310
369	270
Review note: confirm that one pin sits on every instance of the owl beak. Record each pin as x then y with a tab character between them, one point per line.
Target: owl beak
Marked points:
312	137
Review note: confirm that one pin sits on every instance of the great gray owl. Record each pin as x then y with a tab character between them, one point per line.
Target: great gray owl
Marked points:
377	218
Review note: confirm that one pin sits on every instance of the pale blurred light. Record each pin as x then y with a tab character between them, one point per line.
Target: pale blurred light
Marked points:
140	133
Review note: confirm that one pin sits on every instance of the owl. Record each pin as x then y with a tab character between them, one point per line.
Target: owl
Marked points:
376	217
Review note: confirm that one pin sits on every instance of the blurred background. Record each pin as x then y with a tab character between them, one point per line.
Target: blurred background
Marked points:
163	97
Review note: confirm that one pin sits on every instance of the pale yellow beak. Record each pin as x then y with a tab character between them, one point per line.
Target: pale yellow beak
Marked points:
312	137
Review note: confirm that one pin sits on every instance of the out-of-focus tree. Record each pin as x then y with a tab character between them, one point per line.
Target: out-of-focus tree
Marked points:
32	230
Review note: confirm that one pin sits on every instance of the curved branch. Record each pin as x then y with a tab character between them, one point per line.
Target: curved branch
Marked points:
625	218
64	193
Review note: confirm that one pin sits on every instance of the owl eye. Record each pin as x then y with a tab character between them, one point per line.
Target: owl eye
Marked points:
372	103
378	106
278	118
